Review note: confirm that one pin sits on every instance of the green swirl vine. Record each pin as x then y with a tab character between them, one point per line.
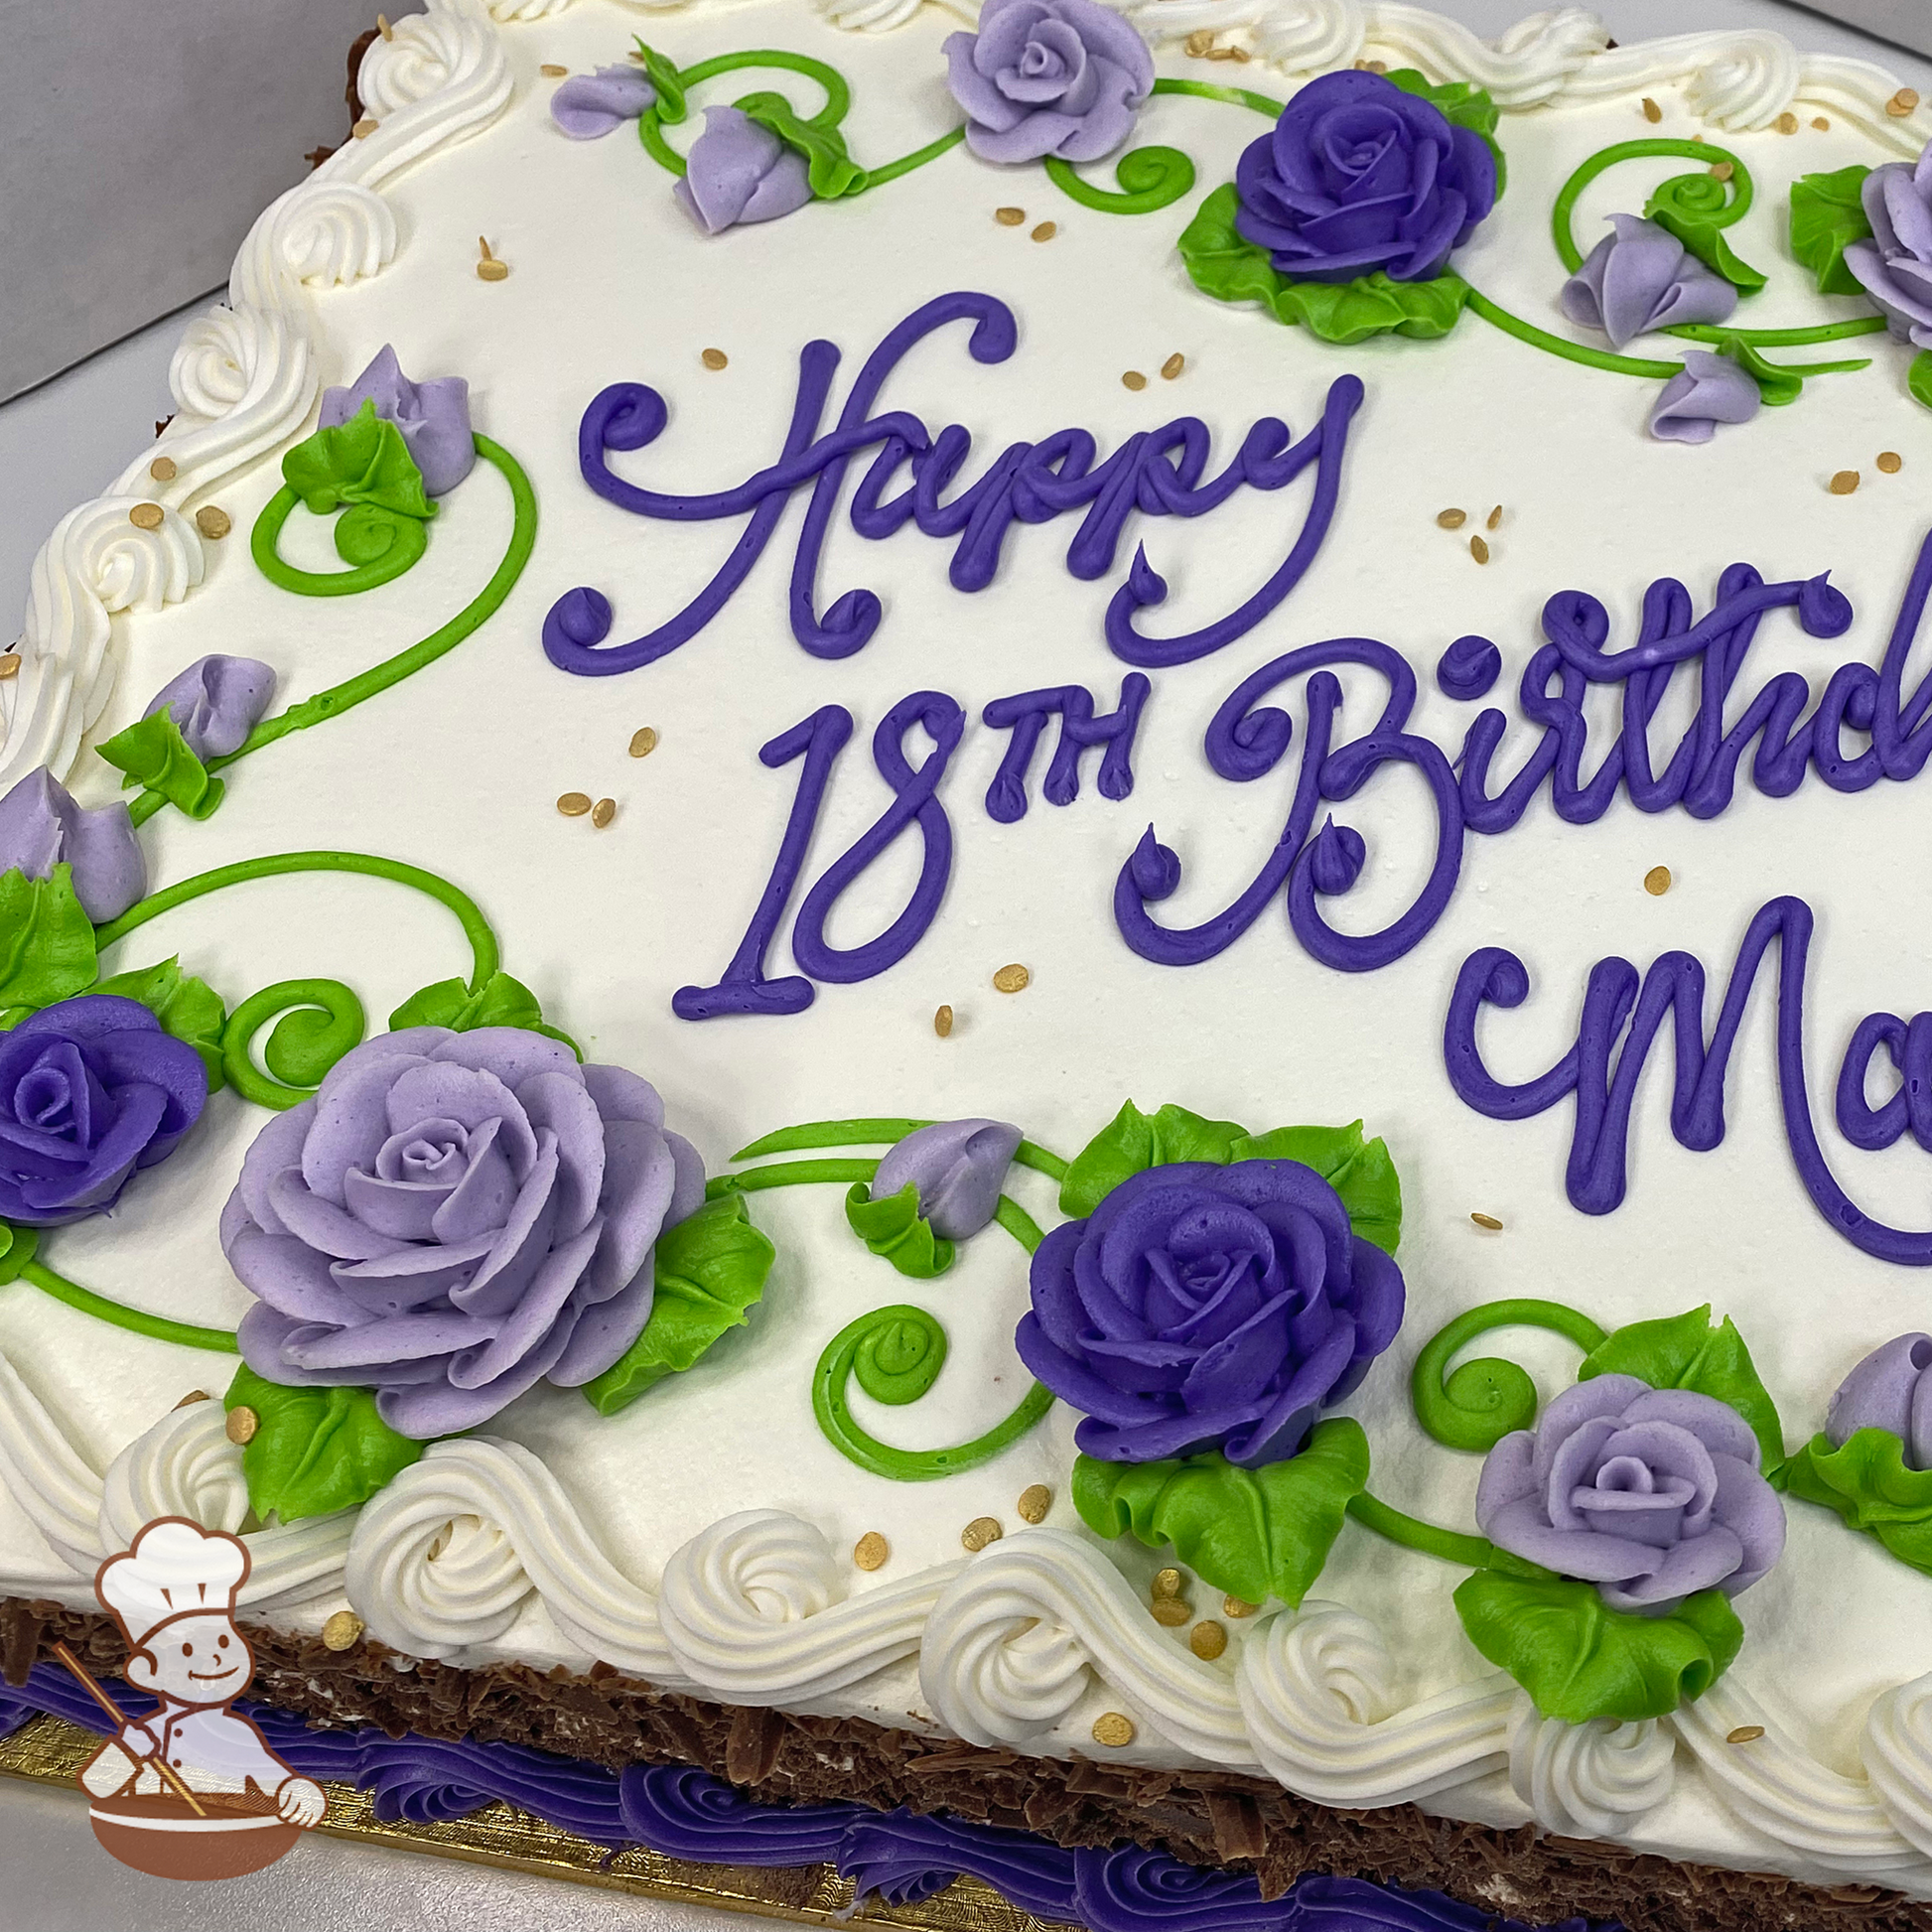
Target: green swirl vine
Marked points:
379	544
1484	1401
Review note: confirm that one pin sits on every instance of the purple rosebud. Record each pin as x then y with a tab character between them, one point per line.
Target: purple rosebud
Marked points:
589	106
216	702
42	827
433	416
451	1220
1203	1308
1650	1494
1640	278
1891	1389
958	1166
739	172
1896	263
1065	77
1359	177
91	1089
1708	391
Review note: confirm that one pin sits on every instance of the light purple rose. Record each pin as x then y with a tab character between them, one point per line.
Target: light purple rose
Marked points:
433	416
1708	391
216	702
1891	1389
1065	77
42	827
451	1218
739	172
958	1166
589	106
1896	263
1650	1494
1642	277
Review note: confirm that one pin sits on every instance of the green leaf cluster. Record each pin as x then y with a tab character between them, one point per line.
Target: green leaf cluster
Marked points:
1463	104
501	1001
663	77
1696	209
1868	1483
1918	377
1223	263
46	943
1827	217
1251	1533
895	1230
710	1270
1578	1658
315	1451
186	1007
17	1248
828	166
154	756
363	461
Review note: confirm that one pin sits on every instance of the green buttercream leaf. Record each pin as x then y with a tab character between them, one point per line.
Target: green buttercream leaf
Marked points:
1688	1351
47	942
1918	377
664	76
186	1007
16	1246
154	755
1776	384
895	1230
1698	229
709	1272
315	1451
1250	1533
1461	104
830	170
1579	1659
1223	263
365	461
1827	217
1361	1171
1868	1483
1133	1141
501	1002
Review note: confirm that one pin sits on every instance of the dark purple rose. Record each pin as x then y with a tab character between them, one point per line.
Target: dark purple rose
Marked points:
1065	77
1709	390
738	172
1642	277
433	416
1896	263
1360	176
1891	1389
958	1166
1204	1307
453	1217
40	827
91	1089
589	106
216	702
1650	1494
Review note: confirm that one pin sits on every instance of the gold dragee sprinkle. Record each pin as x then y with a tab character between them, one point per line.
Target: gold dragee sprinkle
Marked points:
242	1423
870	1551
1208	1639
1009	217
146	516
1891	462
1047	231
1011	979
643	740
1172	367
574	804
1452	519
1488	1221
1170	1612
1745	1734
1478	550
603	812
1902	103
1787	122
1821	123
213	522
942	1025
1495	519
489	269
9	664
363	128
1843	483
553	70
1373	67
1656	882
1166	1582
1221	53
1113	1730
714	358
1698	136
1034	1501
1198	41
635	54
1239	54
162	469
1721	171
191	1397
1238	1607
980	1531
1133	379
383	28
341	1631
1651	111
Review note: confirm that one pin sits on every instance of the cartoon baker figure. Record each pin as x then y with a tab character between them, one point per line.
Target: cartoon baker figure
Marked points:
173	1594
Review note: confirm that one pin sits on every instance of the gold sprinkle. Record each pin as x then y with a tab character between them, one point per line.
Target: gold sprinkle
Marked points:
1651	111
1891	462
643	742
574	804
870	1551
363	128
1172	367
1656	882
162	469
1208	1639
1009	217
1488	1221
1133	379
1223	54
191	1397
1843	483
9	664
1047	231
1113	1730
603	812
1902	103
1821	123
1721	171
1452	519
1787	123
1478	550
942	1025
1745	1734
1170	1612
1495	519
1373	67
1198	41
1698	136
1010	979
636	54
714	358
1239	54
341	1631
146	516
1034	1501
980	1531
1238	1607
489	269
1166	1582
242	1423
383	28
552	70
213	522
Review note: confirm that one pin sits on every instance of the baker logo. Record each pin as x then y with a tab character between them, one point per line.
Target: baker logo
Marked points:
191	1790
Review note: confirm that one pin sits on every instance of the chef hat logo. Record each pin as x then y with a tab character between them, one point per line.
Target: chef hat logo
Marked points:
173	1567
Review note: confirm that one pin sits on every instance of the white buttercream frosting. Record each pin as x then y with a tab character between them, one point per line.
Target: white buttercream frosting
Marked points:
1593	1779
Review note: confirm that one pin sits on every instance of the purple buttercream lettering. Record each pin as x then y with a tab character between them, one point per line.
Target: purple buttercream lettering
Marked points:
1025	716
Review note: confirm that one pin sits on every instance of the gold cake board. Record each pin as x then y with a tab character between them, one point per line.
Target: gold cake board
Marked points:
50	1751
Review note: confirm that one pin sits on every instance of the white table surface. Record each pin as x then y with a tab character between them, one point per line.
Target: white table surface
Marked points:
59	445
